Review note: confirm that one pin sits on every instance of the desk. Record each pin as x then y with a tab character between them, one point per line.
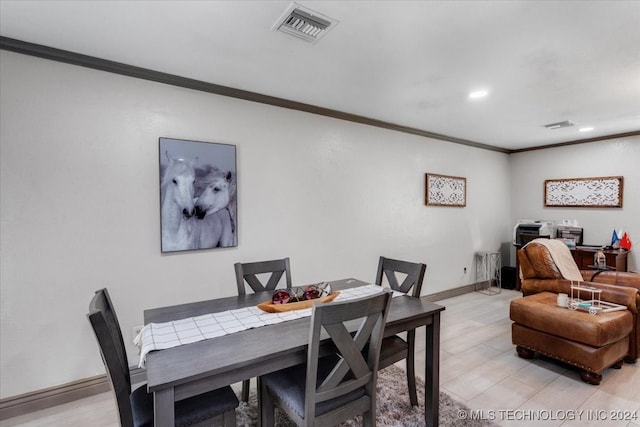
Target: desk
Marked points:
616	258
188	370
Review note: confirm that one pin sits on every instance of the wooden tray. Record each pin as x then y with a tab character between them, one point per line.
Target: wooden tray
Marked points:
270	307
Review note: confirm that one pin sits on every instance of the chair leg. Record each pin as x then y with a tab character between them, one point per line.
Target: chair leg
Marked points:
411	369
230	418
246	384
266	406
411	380
369	418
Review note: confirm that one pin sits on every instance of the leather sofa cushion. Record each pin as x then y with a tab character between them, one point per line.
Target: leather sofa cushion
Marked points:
540	312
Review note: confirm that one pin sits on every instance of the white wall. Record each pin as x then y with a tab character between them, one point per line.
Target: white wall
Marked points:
79	206
616	157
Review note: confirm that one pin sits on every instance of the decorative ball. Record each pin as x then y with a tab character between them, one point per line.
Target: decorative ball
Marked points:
280	297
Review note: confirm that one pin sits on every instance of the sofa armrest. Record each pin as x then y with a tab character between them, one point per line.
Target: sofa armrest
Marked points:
627	296
619	278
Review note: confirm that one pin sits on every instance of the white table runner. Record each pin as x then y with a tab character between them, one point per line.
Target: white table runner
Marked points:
160	336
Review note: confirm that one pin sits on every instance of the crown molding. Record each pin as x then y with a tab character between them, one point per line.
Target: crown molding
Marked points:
68	57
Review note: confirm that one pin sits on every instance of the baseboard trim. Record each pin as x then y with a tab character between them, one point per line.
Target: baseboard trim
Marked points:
65	393
450	293
52	396
58	395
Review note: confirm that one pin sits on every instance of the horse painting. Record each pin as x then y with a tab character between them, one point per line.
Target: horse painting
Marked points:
177	205
198	184
215	224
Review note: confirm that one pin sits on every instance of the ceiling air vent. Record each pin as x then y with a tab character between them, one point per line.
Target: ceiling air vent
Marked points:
559	125
304	23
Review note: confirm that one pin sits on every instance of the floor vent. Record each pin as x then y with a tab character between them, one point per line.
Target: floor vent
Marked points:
559	125
304	23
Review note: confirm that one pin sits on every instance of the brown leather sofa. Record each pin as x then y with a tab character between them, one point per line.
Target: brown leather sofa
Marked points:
592	343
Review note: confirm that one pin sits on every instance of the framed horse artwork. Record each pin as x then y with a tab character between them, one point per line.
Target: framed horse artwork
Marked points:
198	183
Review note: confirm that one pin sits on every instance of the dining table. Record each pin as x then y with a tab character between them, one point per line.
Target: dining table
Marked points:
187	370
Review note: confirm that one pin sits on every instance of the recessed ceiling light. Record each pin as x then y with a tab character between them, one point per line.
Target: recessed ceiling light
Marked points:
585	129
478	94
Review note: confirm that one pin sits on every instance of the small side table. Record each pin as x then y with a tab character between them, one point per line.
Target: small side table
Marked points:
488	269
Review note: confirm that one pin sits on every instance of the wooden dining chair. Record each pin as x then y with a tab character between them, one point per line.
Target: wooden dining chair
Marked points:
395	348
327	390
136	408
249	272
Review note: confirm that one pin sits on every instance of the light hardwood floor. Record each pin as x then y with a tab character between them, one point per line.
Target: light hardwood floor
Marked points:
479	367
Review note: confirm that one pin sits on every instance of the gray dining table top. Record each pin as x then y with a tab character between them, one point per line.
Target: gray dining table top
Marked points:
238	356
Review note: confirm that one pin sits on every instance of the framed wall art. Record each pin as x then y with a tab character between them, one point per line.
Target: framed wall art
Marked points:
198	182
444	190
601	192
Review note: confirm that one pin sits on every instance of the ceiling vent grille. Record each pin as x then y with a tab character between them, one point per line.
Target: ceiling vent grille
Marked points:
559	125
304	23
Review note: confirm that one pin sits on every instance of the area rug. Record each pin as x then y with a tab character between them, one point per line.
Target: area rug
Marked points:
394	409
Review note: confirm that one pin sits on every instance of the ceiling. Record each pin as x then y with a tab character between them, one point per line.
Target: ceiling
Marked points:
411	64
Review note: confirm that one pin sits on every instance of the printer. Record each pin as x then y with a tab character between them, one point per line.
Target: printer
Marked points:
528	229
570	235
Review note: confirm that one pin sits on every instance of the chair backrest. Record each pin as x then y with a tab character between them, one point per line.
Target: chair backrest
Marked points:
248	272
353	370
105	325
388	267
536	263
